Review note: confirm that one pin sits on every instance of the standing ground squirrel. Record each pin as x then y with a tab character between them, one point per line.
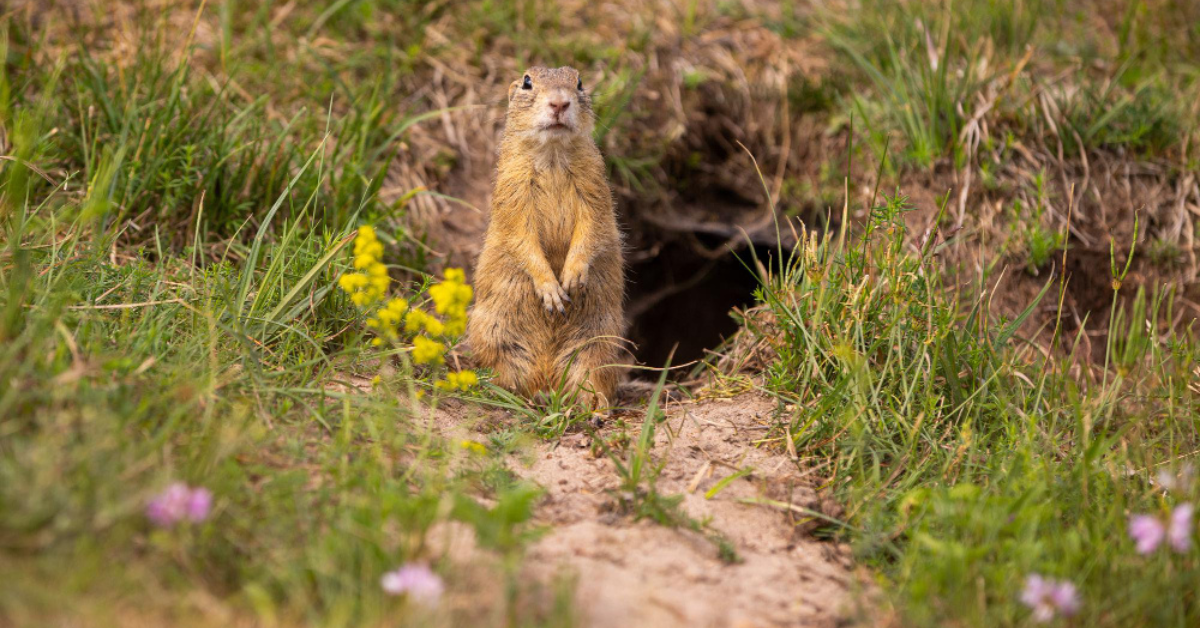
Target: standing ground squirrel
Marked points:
550	281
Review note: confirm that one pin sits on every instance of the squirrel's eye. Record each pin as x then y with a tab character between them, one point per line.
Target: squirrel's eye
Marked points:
528	84
580	85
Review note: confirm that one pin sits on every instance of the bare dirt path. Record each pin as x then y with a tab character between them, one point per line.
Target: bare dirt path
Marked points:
642	574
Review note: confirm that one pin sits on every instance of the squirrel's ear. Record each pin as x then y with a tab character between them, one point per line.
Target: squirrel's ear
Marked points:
512	87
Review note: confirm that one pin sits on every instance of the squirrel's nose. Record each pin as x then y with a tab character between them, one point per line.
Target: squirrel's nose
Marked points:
559	106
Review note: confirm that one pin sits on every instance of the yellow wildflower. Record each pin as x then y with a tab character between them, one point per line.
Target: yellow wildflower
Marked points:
434	327
414	321
370	284
451	298
366	245
390	314
387	320
456	326
460	380
473	446
417	320
426	351
352	281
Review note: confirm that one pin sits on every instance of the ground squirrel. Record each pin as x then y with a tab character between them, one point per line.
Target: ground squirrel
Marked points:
550	281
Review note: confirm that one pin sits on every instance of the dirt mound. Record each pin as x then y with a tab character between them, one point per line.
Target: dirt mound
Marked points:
644	574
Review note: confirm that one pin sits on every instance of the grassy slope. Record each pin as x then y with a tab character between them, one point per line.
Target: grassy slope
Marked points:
159	324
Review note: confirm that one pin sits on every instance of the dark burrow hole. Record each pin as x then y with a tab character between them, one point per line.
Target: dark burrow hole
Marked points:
680	299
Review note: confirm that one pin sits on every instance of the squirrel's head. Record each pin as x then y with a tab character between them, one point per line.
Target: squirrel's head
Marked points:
549	105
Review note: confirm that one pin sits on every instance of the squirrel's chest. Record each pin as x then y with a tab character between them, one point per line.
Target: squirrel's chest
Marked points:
557	208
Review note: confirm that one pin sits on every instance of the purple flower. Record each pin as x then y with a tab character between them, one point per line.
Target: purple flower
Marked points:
1066	598
199	503
1147	532
179	502
417	581
1179	530
1048	598
169	506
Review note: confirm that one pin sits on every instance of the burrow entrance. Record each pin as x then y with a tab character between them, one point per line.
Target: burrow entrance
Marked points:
680	299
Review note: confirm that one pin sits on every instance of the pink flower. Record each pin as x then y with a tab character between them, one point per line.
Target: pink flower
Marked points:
417	581
1065	596
199	503
179	502
1048	598
1148	531
169	506
1179	530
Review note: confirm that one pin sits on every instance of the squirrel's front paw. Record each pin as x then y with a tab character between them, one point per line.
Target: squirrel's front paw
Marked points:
553	296
574	277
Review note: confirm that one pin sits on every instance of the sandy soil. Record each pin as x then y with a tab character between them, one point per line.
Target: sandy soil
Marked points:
641	574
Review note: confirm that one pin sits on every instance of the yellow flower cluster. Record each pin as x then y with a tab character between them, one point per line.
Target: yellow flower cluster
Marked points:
473	446
459	380
419	320
426	351
368	285
451	298
386	322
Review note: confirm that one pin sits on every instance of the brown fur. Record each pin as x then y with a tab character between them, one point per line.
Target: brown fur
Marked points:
550	279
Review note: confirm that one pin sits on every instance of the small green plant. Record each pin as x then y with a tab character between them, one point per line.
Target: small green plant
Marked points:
1037	242
1042	244
550	414
1165	253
